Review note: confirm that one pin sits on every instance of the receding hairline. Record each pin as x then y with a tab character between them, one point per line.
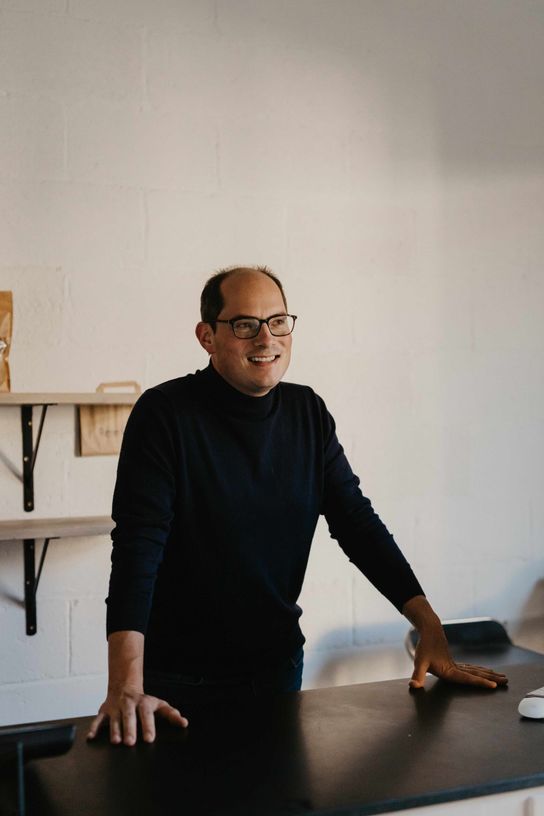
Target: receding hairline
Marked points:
241	271
245	270
212	297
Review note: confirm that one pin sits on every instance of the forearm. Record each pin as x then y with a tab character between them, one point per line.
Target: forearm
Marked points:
126	661
369	545
360	532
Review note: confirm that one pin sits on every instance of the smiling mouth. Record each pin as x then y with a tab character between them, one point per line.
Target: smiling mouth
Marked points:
262	359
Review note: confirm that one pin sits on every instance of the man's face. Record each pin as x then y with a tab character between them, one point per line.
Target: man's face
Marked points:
251	366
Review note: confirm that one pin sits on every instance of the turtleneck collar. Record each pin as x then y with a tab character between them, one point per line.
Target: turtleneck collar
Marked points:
235	402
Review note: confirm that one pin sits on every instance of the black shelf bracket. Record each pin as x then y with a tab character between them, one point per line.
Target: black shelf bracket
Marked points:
30	451
32	580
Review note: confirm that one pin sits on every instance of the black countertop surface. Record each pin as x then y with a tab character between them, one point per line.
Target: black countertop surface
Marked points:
361	749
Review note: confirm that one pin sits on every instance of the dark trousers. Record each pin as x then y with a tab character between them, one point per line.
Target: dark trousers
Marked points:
192	693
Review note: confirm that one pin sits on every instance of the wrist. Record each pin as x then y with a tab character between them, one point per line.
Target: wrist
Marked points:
125	662
125	687
421	614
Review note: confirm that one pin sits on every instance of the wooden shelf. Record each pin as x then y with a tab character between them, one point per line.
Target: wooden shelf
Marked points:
93	398
28	401
53	528
75	527
29	530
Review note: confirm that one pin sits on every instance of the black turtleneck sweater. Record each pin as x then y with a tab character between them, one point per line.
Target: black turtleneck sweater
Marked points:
216	502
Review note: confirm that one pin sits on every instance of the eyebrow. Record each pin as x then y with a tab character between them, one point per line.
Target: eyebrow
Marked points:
253	317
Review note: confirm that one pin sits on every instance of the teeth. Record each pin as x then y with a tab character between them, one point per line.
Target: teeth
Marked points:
263	359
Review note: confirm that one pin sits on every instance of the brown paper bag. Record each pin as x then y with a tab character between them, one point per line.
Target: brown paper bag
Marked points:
6	328
101	427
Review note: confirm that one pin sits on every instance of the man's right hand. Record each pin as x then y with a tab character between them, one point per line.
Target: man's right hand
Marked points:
126	702
124	707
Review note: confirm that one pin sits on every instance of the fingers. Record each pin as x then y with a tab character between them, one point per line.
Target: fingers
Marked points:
466	674
99	721
130	724
482	671
457	675
172	714
116	735
418	676
148	707
96	725
462	673
124	724
123	714
146	712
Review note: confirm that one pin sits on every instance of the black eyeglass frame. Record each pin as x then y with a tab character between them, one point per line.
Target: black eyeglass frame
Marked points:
266	320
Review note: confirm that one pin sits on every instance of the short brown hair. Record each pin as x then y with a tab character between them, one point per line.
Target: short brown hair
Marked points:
211	299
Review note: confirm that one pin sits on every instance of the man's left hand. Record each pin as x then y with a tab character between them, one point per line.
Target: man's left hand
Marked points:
433	654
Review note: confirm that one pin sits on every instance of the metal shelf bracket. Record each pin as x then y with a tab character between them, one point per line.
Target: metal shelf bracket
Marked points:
30	451
32	580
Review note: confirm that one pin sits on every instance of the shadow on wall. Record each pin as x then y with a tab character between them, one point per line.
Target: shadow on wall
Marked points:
529	629
368	665
10	466
362	655
534	605
513	603
7	595
11	574
366	654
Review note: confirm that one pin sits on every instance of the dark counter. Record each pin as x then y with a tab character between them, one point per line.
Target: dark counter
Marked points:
360	749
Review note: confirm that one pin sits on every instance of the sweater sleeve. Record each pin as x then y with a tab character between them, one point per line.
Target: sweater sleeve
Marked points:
143	507
358	529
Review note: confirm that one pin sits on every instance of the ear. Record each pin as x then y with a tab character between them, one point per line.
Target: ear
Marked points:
205	336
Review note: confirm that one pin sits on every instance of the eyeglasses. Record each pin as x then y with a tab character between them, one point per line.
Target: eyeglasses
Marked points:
247	327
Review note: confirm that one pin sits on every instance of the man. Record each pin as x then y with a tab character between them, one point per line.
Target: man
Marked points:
222	477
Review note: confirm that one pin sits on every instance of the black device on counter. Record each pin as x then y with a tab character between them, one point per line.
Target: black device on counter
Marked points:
17	746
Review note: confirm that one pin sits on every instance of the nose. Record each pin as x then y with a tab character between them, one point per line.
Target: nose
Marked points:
268	334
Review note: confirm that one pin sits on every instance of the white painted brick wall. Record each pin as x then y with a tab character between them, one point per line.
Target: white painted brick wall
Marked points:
49	224
31	138
110	144
89	652
43	656
386	159
234	225
189	15
69	59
